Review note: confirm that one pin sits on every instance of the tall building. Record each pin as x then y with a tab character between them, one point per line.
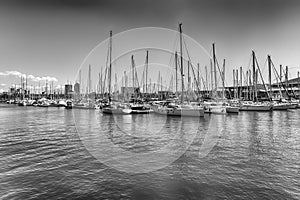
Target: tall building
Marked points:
68	89
77	88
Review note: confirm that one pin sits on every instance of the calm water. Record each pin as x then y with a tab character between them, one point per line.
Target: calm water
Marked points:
54	153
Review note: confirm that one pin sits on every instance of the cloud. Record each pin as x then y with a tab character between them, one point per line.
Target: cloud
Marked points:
30	77
2	84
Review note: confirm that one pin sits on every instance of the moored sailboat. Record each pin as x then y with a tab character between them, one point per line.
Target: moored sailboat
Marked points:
180	109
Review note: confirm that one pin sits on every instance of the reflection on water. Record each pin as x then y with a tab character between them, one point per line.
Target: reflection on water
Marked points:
43	155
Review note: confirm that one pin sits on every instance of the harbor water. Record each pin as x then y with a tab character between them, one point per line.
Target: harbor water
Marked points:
51	153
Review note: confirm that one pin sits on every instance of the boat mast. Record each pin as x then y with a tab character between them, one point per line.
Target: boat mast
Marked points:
206	80
280	79
89	81
133	74
270	75
215	69
223	80
241	81
298	83
247	85
147	63
101	88
176	66
109	72
237	83
189	80
233	75
181	62
211	78
198	77
254	75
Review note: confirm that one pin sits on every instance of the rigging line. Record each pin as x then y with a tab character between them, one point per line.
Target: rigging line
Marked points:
197	84
280	79
106	68
174	49
191	65
262	78
291	86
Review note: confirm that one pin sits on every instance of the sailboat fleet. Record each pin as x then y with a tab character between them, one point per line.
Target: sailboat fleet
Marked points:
181	103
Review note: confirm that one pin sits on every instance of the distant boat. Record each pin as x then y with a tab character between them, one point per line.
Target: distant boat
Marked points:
214	108
69	104
180	110
281	105
140	109
117	109
22	103
43	102
61	103
255	106
232	106
85	106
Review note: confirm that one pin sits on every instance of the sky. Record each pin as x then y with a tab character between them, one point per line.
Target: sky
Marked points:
50	39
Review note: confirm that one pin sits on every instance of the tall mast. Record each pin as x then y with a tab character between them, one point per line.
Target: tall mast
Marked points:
158	81
133	74
249	85
287	77
254	75
241	81
80	80
89	80
109	72
270	75
176	68
206	79
280	79
126	85
26	92
215	68
237	83
189	80
198	77
298	83
223	80
211	77
101	83
147	61
181	62
233	75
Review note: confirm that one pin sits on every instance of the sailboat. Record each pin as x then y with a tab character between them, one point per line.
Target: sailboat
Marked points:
216	106
137	105
113	108
254	105
278	104
180	109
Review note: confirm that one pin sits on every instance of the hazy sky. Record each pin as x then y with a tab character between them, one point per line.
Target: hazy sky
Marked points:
51	37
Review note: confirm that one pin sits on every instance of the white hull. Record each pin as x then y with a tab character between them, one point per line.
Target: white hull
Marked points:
83	107
216	110
189	112
231	109
293	106
255	108
283	106
116	111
